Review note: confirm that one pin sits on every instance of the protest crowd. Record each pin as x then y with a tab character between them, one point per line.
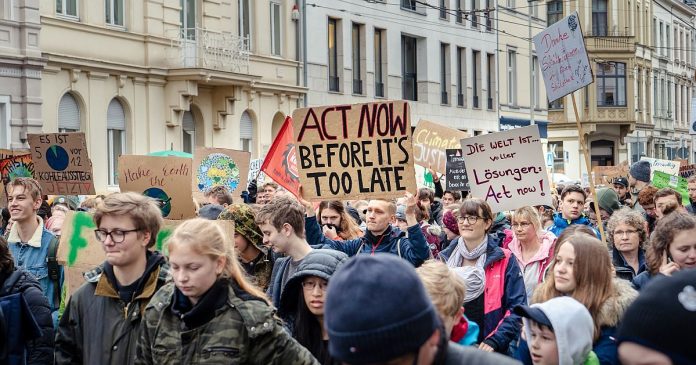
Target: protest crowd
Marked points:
298	271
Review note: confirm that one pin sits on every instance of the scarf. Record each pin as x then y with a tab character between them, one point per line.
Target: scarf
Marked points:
474	276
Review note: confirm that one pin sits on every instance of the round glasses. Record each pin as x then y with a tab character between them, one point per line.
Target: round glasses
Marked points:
471	219
117	235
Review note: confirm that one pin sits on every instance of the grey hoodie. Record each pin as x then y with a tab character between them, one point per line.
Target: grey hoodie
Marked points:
572	325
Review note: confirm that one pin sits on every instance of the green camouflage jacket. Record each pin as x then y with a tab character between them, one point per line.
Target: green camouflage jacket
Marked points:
245	331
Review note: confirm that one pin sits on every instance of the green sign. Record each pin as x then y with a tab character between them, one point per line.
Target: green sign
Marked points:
662	180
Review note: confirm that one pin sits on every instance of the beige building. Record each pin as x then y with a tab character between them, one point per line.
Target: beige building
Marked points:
139	77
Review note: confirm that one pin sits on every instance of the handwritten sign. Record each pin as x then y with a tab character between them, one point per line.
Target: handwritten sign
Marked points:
61	163
220	166
17	166
255	172
662	180
431	140
507	168
564	62
666	166
167	179
359	151
456	179
607	174
686	171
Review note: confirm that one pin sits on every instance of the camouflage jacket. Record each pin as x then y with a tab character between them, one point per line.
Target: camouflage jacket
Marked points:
244	331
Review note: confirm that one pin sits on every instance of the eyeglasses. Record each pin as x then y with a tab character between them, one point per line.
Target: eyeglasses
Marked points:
522	225
471	219
310	285
627	232
117	235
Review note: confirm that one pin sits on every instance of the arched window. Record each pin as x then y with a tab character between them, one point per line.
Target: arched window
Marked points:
68	114
189	132
116	137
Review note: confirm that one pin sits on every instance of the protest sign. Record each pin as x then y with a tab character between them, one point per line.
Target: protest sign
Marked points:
220	166
167	179
16	166
507	169
281	161
255	172
686	171
61	163
431	140
456	179
80	251
662	180
605	175
564	62
666	166
359	151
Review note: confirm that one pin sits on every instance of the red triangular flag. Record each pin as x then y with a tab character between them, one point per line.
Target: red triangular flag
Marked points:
281	162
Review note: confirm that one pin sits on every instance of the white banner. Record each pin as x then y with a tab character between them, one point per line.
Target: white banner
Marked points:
666	166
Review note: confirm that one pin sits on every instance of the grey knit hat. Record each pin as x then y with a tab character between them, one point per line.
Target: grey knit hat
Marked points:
641	171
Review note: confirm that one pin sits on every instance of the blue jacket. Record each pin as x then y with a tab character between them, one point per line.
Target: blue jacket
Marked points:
641	279
560	223
275	285
414	249
501	326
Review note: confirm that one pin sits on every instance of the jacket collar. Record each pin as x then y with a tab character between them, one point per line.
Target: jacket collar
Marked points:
493	250
155	271
559	221
207	307
34	241
547	240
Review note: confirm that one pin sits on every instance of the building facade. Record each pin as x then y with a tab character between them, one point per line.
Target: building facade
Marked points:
439	55
163	74
618	42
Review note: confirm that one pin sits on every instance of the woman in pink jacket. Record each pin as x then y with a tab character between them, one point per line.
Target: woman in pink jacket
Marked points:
532	246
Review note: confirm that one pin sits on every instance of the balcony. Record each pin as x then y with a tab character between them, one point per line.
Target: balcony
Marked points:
618	42
203	48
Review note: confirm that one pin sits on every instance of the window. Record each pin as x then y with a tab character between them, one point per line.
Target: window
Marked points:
669	99
334	80
535	82
461	76
357	59
556	104
188	128
512	77
246	132
245	21
408	4
379	62
443	9
476	77
115	138
654	31
490	78
611	84
444	73
68	114
656	106
668	44
639	107
487	15
599	17
276	28
114	12
5	113
187	17
67	8
474	14
661	40
460	11
554	11
409	67
535	9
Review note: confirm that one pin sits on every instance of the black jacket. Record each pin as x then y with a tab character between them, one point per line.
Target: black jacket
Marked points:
39	351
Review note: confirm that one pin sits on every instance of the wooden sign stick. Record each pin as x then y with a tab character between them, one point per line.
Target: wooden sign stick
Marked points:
581	132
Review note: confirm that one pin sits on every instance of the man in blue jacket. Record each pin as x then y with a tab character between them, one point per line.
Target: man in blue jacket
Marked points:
571	207
380	236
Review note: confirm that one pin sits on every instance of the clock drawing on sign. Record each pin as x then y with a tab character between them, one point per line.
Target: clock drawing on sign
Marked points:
57	158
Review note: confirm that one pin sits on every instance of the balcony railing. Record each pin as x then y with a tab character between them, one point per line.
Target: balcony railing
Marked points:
203	48
615	41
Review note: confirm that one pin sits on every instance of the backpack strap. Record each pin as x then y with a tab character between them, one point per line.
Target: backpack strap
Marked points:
54	269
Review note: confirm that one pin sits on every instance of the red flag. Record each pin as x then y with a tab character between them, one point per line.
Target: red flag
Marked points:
281	162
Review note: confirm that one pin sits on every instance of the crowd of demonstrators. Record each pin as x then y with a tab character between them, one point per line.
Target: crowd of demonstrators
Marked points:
627	235
336	223
620	186
646	199
570	209
639	176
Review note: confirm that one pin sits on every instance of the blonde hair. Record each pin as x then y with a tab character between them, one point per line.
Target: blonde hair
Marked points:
206	237
445	288
530	214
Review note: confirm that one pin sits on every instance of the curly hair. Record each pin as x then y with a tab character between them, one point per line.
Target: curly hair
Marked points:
647	195
630	217
666	230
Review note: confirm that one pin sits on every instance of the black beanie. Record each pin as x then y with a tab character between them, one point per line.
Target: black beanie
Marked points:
663	317
377	310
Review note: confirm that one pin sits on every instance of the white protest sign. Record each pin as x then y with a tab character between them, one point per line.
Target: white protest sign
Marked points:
254	167
564	62
666	166
507	169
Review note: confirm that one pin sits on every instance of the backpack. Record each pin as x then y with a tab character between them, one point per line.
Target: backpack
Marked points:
54	269
17	327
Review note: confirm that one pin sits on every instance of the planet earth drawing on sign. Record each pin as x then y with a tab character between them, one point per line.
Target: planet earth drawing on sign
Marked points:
165	202
217	169
57	158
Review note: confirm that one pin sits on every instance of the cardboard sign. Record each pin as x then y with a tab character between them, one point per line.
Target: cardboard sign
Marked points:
564	62
431	140
605	175
167	179
61	163
220	166
666	166
16	166
686	171
359	151
661	180
507	169
456	179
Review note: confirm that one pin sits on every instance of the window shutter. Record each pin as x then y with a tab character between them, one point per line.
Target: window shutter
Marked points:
188	123
115	117
68	113
246	127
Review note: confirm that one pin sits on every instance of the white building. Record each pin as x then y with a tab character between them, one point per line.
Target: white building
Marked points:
441	56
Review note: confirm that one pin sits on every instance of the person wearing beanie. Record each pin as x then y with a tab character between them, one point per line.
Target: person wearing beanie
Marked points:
302	301
450	227
559	332
390	320
639	177
620	186
248	242
658	327
608	202
210	211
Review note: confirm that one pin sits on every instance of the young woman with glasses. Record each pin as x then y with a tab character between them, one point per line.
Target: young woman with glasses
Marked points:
302	301
627	236
493	281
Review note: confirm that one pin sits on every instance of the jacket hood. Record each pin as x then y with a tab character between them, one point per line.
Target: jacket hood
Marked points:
155	261
548	239
613	309
563	223
321	263
18	282
573	326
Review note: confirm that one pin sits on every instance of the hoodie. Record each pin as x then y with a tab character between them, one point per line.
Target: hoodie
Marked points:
560	223
533	271
573	326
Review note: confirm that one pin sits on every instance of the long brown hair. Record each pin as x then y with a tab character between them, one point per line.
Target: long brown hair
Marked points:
349	229
593	274
667	228
6	260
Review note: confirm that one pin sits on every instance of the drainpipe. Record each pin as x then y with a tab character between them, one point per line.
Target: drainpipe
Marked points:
497	61
304	47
